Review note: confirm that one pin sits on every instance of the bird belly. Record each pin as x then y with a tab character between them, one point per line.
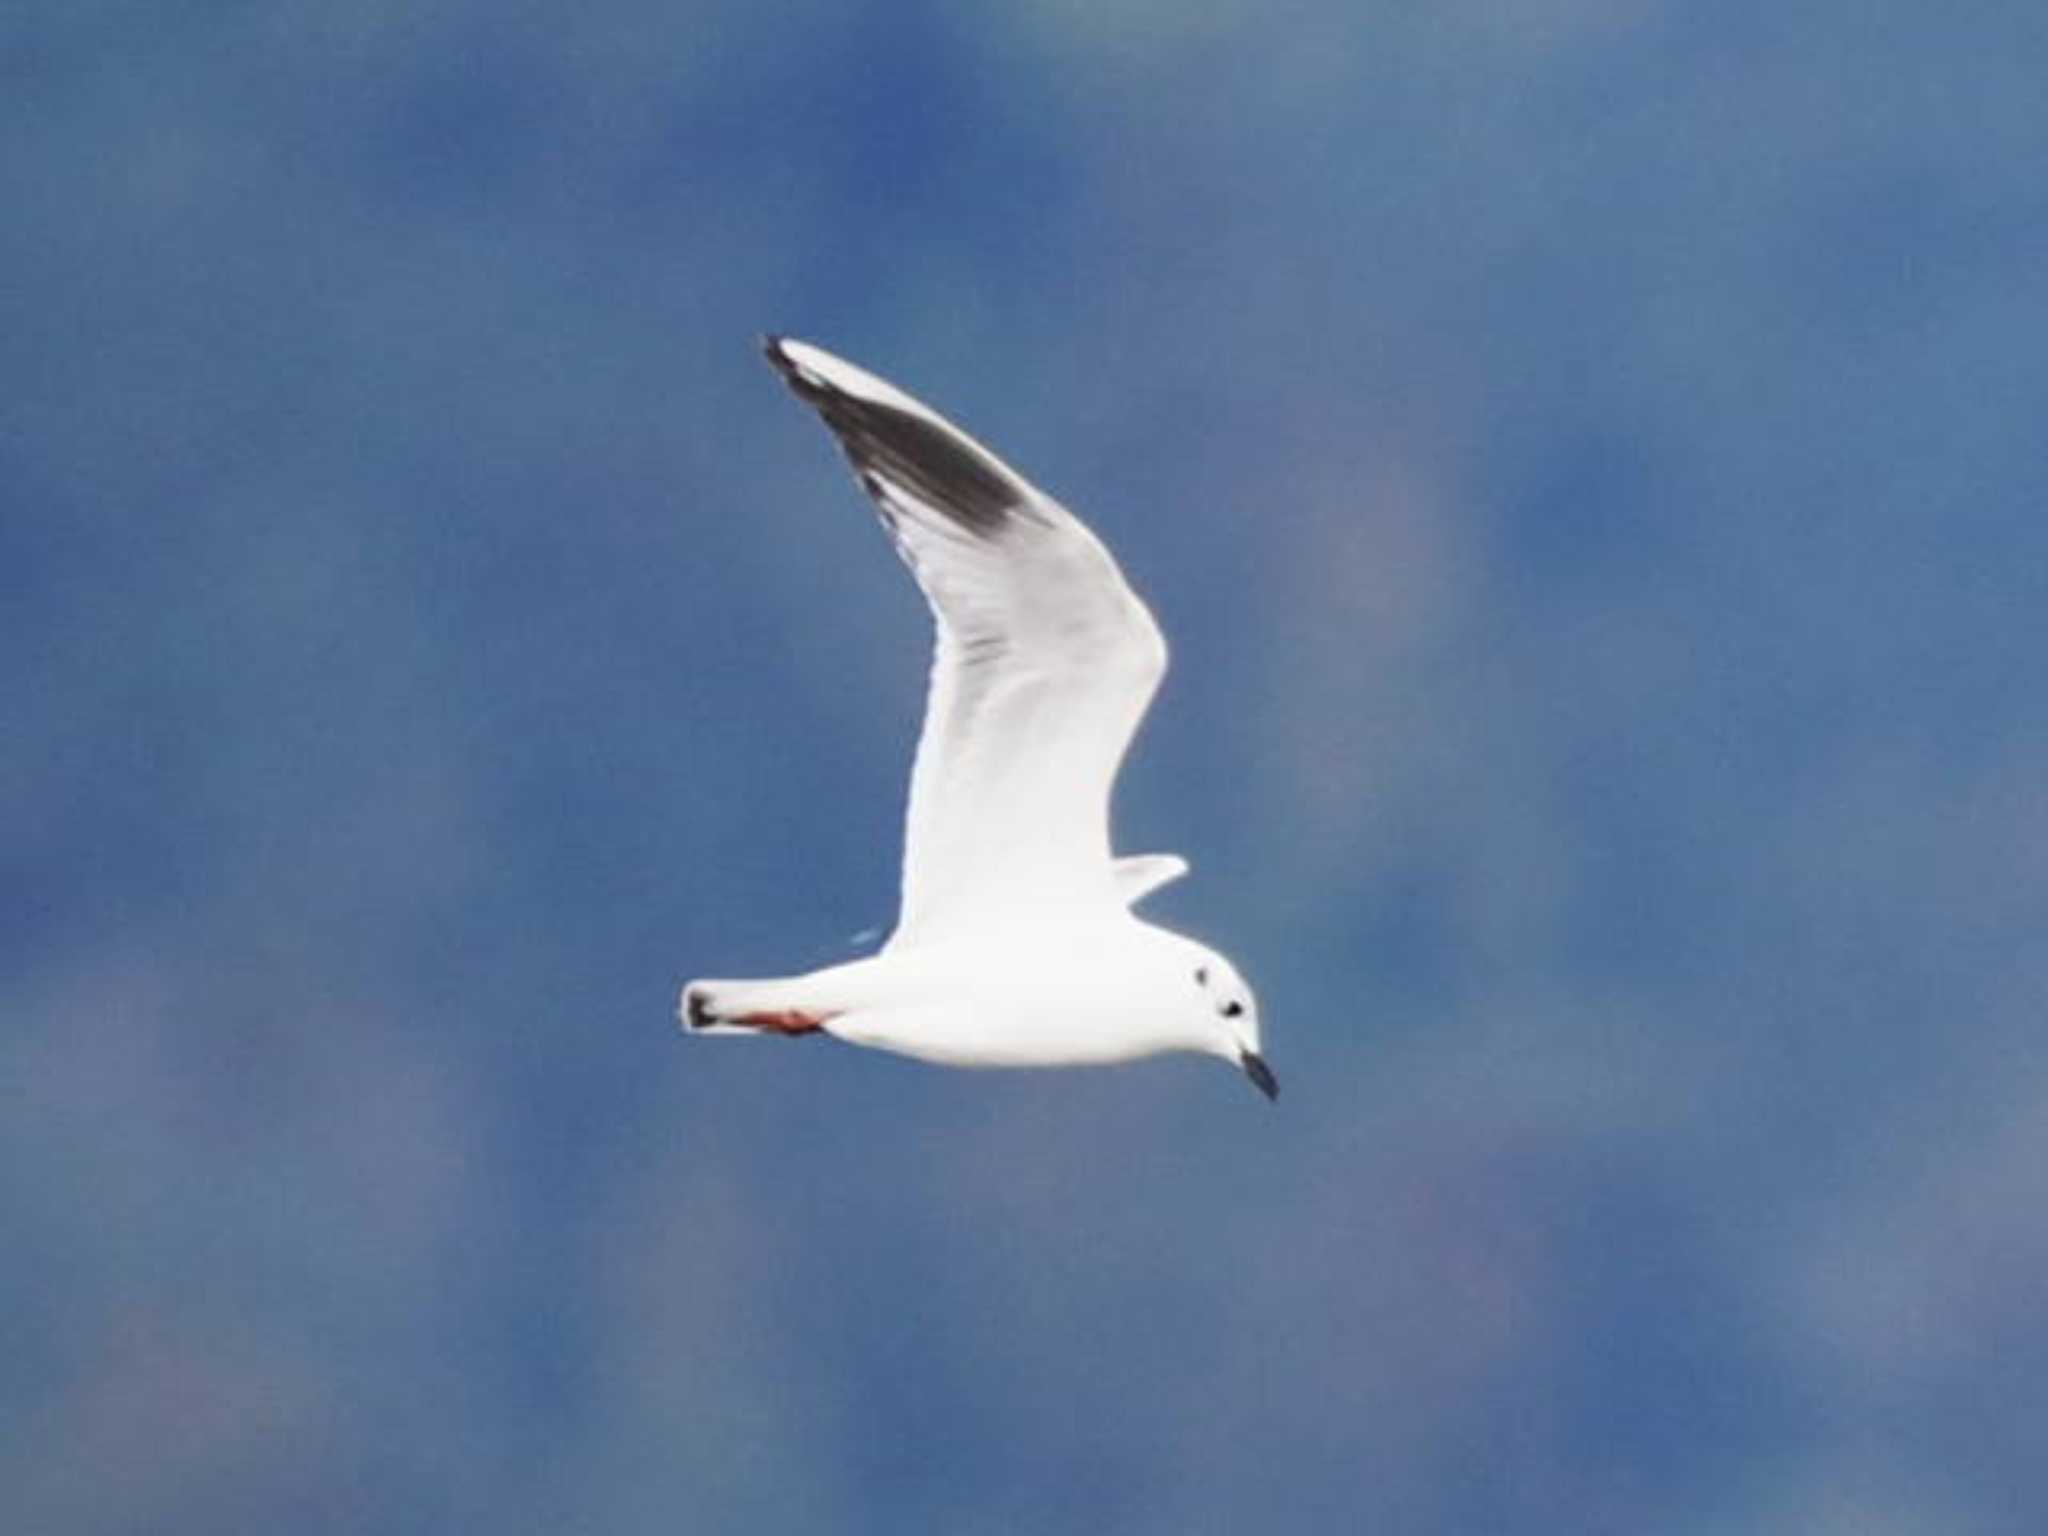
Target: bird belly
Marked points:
979	1036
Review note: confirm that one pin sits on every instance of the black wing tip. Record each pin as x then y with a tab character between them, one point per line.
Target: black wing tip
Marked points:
888	443
774	348
808	388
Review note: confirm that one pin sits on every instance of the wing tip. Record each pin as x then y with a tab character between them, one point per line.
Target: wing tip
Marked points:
893	440
808	381
1138	875
775	347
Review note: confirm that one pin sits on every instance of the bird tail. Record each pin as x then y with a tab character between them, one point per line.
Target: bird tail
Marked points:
771	1007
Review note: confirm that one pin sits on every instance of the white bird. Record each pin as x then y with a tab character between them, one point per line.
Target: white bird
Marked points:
1015	944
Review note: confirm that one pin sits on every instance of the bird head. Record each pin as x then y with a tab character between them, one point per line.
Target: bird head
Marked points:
1224	1013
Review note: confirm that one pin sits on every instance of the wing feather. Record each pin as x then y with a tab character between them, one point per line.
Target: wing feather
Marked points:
1043	665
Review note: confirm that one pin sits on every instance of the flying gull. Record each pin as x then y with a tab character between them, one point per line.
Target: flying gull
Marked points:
1015	944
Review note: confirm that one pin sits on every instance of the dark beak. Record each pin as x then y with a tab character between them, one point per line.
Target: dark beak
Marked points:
1261	1075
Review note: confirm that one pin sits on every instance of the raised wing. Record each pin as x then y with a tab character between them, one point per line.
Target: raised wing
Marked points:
1044	664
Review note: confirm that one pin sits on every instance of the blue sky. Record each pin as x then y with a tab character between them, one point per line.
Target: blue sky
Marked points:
1587	460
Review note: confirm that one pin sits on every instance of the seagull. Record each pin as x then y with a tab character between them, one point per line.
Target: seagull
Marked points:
1015	943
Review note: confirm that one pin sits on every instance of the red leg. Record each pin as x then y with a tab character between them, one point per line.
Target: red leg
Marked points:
789	1021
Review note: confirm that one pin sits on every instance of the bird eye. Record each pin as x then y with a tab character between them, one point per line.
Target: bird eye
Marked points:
1201	975
1232	1009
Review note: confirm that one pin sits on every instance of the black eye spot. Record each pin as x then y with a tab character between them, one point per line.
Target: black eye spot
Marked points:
1201	975
1232	1009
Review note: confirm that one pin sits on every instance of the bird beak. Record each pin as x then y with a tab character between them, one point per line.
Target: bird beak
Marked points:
1261	1075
